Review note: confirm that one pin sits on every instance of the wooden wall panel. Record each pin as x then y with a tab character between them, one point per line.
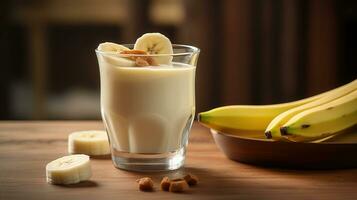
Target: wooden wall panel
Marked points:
237	56
267	75
201	30
290	55
322	50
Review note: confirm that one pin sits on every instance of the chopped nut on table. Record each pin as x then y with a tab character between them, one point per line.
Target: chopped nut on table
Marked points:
165	183
174	185
178	179
178	185
145	184
191	179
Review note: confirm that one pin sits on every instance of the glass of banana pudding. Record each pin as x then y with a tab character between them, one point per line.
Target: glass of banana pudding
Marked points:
147	101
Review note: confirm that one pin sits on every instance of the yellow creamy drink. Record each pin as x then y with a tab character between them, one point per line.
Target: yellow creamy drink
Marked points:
147	109
147	101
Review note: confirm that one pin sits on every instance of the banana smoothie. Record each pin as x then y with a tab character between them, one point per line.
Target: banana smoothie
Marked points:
147	100
147	109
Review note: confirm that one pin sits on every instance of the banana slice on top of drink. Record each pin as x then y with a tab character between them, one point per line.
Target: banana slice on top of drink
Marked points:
155	44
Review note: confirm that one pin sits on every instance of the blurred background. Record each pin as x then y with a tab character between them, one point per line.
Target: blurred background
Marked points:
252	51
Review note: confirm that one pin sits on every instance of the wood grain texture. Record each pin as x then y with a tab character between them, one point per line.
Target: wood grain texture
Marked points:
26	147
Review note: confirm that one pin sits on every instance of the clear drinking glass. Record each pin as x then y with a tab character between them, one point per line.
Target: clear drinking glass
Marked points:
148	111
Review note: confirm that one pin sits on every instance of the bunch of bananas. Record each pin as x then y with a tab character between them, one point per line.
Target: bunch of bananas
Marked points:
310	119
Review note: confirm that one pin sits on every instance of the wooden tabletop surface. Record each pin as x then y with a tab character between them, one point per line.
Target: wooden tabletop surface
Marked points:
26	147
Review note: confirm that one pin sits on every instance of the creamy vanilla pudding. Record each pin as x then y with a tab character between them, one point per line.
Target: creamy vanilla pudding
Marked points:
147	109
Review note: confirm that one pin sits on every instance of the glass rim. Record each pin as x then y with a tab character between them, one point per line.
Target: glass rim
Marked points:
195	50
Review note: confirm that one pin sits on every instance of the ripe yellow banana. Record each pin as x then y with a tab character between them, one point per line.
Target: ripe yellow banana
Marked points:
323	120
249	117
273	129
246	117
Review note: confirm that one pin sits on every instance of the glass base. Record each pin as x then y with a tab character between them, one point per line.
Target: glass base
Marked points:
149	162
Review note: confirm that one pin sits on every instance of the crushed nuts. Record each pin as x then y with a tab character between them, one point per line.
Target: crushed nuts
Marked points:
136	52
174	185
145	184
191	179
151	61
178	186
178	179
140	61
165	183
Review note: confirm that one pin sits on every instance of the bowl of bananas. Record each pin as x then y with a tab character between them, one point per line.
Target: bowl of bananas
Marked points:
318	132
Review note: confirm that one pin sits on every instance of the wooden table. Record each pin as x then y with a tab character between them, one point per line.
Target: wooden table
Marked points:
26	147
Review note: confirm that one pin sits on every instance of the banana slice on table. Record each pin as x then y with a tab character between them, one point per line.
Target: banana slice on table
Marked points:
69	169
92	142
155	43
113	58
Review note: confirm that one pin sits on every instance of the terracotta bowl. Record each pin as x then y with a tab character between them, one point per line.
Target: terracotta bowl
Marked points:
338	152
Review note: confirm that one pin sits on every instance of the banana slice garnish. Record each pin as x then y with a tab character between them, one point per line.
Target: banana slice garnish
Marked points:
112	58
155	43
92	142
69	169
112	47
150	43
